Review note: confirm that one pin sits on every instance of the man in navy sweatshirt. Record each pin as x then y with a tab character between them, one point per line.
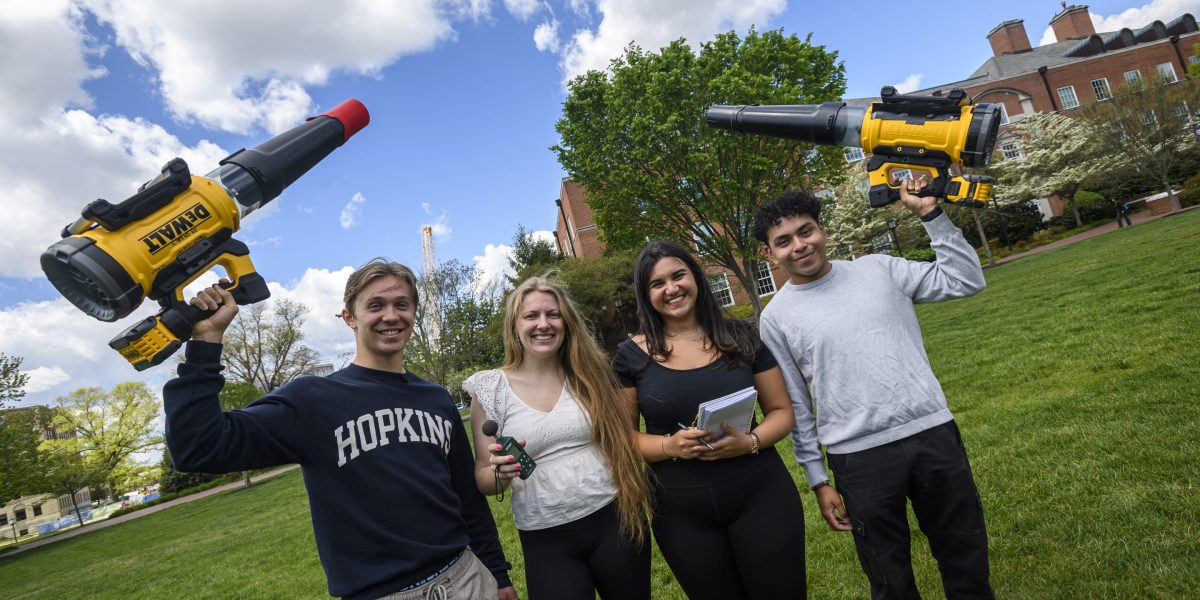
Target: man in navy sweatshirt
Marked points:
389	472
849	346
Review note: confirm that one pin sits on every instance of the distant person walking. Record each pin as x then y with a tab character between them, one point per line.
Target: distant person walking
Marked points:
1122	213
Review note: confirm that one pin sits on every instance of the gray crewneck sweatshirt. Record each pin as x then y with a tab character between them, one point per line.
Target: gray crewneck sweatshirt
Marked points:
851	351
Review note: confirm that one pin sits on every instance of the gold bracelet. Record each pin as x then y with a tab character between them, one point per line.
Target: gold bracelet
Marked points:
663	446
754	447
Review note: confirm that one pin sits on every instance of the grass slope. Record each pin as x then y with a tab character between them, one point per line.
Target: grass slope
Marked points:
1073	377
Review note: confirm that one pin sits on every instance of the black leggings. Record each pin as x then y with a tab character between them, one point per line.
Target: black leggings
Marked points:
577	559
738	538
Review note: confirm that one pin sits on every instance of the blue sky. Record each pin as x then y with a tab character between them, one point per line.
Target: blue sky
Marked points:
95	95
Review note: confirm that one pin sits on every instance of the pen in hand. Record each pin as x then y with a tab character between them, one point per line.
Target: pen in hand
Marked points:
682	426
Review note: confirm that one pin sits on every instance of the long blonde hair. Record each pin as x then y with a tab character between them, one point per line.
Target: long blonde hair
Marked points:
591	379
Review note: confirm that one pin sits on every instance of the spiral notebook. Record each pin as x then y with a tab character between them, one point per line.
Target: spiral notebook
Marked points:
736	409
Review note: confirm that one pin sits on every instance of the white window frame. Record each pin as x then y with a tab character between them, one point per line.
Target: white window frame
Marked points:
1142	115
1065	92
1003	114
1167	70
1101	89
1134	76
1193	59
1181	111
719	282
853	154
764	280
1011	150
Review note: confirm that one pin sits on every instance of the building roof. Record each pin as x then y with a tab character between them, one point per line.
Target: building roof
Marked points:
1070	51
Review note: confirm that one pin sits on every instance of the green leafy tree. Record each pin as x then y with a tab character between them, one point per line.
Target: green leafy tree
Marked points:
530	255
450	342
602	288
176	481
635	136
64	471
1061	155
266	347
20	430
1148	126
109	427
12	380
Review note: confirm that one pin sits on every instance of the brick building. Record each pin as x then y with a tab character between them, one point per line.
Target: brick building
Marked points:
576	236
1082	66
22	516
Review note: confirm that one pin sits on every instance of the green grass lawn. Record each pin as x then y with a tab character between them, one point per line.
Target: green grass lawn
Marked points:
1074	377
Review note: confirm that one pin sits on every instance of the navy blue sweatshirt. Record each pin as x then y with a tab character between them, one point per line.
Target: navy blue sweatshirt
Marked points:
389	472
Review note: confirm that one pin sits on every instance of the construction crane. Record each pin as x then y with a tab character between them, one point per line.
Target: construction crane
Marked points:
430	298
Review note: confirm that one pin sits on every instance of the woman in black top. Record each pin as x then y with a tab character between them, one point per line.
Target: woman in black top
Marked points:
728	519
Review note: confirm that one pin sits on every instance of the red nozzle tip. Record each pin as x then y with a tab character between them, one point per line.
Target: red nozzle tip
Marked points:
352	115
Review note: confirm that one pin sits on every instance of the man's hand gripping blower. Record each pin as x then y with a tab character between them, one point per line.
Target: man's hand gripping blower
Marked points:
176	228
906	135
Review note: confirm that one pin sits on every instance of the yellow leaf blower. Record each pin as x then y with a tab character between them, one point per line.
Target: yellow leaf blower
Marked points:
176	228
904	134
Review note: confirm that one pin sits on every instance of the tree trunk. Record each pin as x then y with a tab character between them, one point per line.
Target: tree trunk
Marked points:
987	249
246	478
76	505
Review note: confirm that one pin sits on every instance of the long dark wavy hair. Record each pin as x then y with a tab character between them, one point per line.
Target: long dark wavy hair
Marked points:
733	338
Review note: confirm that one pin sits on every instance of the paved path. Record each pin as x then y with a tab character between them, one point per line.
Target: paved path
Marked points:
137	514
1111	225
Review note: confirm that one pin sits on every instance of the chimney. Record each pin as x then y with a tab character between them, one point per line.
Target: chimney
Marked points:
1072	23
1009	37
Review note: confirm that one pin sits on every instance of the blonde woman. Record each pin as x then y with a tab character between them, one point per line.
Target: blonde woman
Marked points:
581	514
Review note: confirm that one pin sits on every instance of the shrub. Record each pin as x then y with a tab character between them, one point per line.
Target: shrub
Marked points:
1191	191
918	254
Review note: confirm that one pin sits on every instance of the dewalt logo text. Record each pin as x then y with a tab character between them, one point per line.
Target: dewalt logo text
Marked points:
176	229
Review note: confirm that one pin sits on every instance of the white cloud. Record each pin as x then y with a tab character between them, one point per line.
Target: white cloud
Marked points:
652	25
545	37
441	224
241	66
522	9
1134	18
64	349
45	45
107	156
349	217
910	83
492	267
44	378
479	11
581	8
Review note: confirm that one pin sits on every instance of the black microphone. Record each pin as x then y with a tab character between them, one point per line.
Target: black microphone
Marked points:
508	445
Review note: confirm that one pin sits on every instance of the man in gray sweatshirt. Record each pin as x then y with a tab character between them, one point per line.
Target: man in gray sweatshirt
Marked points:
849	345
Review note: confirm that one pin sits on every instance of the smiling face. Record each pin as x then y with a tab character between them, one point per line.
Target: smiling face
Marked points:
797	243
671	289
539	325
382	320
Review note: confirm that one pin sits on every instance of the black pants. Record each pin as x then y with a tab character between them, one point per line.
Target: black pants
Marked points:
577	559
931	469
738	538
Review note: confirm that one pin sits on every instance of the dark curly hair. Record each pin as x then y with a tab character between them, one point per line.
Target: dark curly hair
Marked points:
790	204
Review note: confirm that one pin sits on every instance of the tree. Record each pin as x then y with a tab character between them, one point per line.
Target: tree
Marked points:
265	347
64	471
1061	154
602	289
530	255
12	380
20	430
1149	126
109	427
635	136
450	343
